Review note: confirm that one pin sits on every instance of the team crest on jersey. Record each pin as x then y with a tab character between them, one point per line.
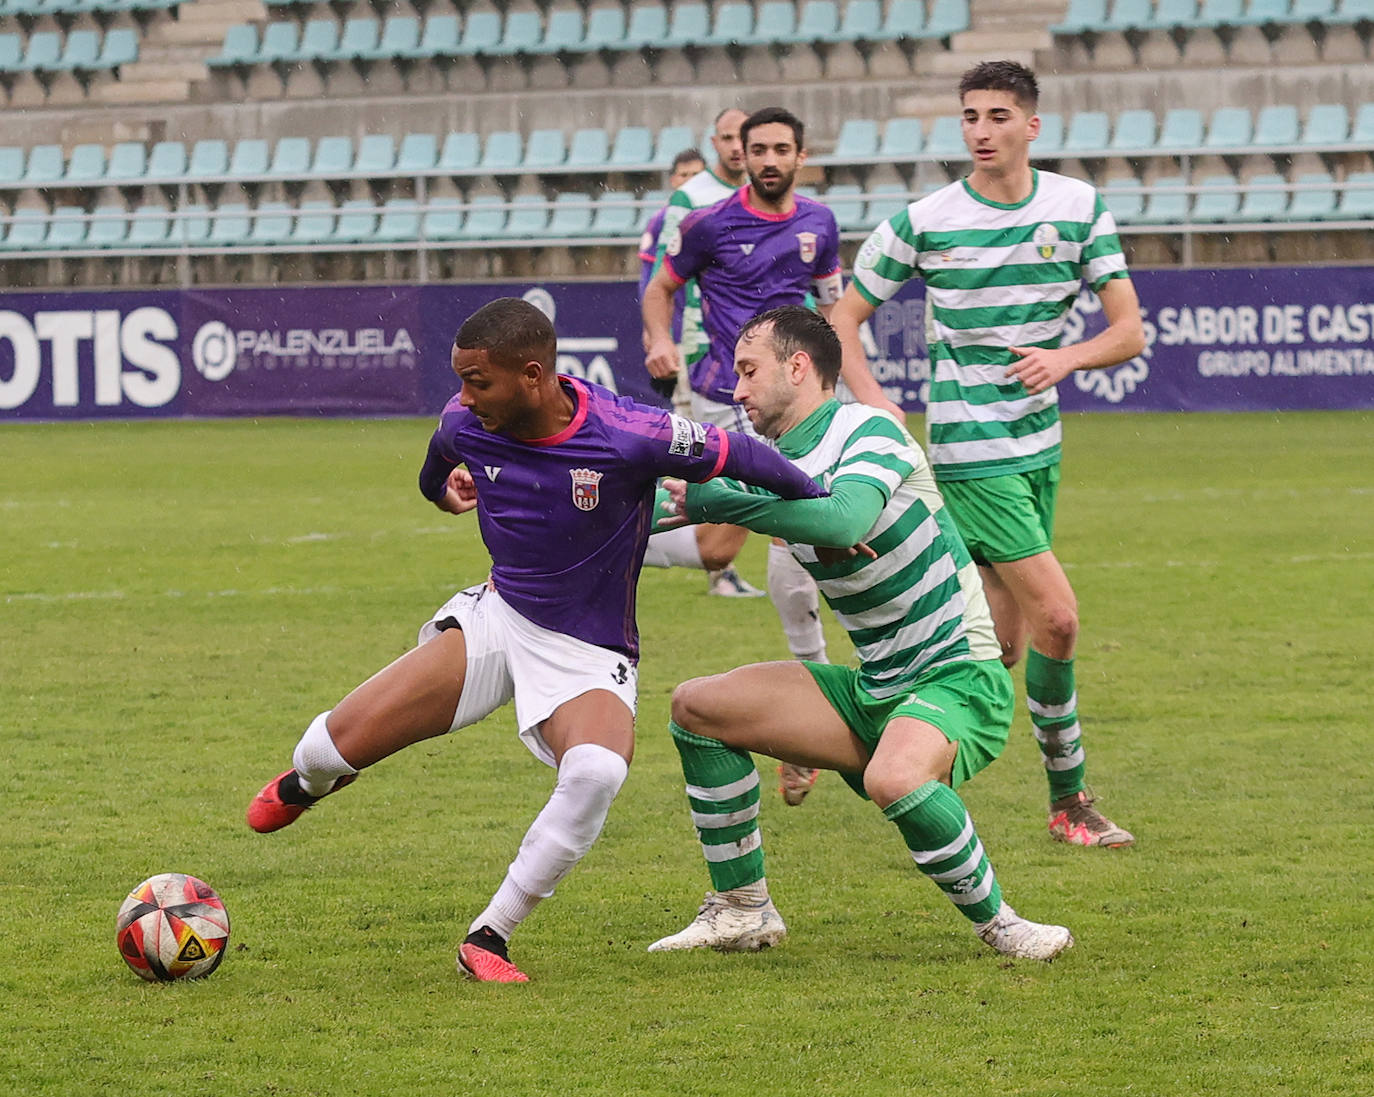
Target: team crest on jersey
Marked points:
806	244
673	243
1046	239
586	488
870	253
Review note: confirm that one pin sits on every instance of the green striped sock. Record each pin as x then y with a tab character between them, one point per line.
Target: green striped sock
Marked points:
723	791
937	829
1053	703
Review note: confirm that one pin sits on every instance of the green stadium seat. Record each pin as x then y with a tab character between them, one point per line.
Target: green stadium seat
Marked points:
846	202
819	21
443	221
502	152
400	38
776	25
290	158
11	52
1220	13
1166	202
400	221
1050	143
633	147
1230	128
167	161
884	200
857	141
66	228
545	150
1276	126
80	51
1265	199
1125	200
1312	11
901	139
11	165
314	223
1217	199
605	29
1174	15
520	34
128	163
271	224
251	157
46	165
862	21
440	38
1128	15
589	148
1134	133
357	221
905	20
333	156
1260	13
358	41
319	41
280	42
733	23
43	51
27	231
947	17
461	153
671	141
418	152
1362	130
230	226
486	218
614	215
86	164
565	32
1327	124
376	155
240	47
572	215
946	138
529	216
1353	11
1083	15
1357	197
119	47
108	228
1314	197
149	227
1181	129
1087	134
648	27
191	225
690	24
209	158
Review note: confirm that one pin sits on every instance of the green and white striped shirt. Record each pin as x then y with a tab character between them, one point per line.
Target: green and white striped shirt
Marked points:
705	188
996	276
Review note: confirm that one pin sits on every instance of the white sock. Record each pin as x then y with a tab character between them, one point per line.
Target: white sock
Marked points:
798	603
676	548
588	780
750	895
317	761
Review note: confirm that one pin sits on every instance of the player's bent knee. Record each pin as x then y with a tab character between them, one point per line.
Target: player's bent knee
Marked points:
690	706
596	771
887	786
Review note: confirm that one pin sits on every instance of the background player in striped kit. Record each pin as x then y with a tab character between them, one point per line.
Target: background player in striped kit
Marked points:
930	702
1003	254
562	475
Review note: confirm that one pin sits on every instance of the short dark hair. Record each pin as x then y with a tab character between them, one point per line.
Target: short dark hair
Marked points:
798	328
511	331
686	156
773	114
1008	76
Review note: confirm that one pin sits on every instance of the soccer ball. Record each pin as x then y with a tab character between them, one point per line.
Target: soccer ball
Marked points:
172	926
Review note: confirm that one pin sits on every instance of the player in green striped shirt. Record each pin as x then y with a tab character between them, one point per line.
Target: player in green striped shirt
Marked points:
929	704
1003	253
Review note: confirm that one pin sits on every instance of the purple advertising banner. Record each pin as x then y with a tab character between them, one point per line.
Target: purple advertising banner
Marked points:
1218	340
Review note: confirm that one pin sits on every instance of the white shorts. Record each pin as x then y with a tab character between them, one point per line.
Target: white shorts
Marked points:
509	656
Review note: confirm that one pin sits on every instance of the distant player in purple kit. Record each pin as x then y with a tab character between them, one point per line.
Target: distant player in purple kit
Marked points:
562	475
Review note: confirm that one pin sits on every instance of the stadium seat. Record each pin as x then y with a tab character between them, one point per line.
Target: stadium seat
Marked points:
119	47
520	34
128	163
846	202
946	139
461	153
1128	15
1125	200
191	225
376	155
733	23
271	224
209	158
861	22
819	21
1166	203
230	225
589	148
11	52
486	218
400	221
319	41
1230	128
86	164
605	29
357	221
857	141
1050	143
545	150
1353	11
27	231
358	41
1087	134
81	50
671	141
443	221
648	27
1357	197
1362	129
1220	13
66	228
45	165
633	147
615	215
1259	13
400	39
529	216
1134	133
776	25
565	32
1174	15
149	227
250	158
502	152
901	139
281	42
884	200
11	165
1312	11
1083	15
572	215
1314	197
290	159
1217	199
440	38
314	223
1265	199
1328	124
108	227
1276	126
947	17
43	51
905	20
240	47
333	156
167	161
1181	130
689	25
418	152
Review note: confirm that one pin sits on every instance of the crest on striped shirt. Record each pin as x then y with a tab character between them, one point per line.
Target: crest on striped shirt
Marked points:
1046	238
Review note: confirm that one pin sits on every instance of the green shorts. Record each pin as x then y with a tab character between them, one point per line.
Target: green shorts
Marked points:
1004	518
971	703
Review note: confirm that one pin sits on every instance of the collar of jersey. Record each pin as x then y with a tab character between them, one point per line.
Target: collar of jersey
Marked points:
1035	186
764	214
802	438
579	395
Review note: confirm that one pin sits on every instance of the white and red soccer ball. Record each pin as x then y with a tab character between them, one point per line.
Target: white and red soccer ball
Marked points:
172	926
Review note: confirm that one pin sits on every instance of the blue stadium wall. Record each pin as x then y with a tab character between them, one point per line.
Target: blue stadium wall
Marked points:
1219	340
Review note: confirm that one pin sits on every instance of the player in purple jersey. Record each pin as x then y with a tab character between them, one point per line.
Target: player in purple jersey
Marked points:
686	164
562	475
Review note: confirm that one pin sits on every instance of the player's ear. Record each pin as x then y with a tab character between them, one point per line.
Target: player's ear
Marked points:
533	373
1033	127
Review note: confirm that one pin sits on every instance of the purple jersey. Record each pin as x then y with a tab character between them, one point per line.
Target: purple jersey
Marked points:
566	518
648	254
746	262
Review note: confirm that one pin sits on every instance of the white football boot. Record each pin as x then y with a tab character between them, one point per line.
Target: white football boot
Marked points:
1014	936
727	925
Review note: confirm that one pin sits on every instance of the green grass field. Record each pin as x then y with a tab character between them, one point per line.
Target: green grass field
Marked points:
179	599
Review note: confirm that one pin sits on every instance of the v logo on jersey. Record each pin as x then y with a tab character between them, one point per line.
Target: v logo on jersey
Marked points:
748	249
493	471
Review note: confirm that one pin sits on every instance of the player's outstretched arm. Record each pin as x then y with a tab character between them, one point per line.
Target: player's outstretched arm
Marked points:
1123	338
846	317
660	355
839	520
